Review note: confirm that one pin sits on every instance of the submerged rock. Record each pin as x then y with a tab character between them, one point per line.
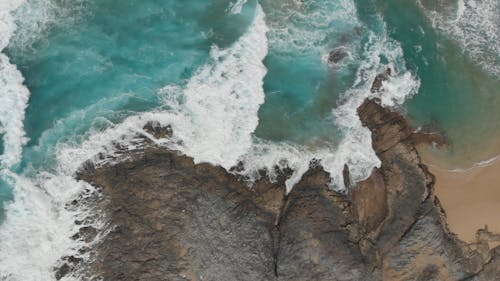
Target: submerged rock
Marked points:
171	219
157	130
430	133
337	55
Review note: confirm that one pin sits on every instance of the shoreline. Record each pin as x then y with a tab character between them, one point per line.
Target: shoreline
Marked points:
162	208
470	197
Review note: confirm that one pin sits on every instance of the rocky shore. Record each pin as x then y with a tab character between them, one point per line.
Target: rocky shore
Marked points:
170	219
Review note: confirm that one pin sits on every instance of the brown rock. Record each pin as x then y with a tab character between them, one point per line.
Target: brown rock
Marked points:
413	242
316	230
155	129
369	202
174	220
347	176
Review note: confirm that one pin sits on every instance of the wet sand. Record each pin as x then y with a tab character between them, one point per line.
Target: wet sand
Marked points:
470	197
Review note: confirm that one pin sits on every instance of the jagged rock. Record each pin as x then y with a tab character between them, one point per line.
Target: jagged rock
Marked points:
62	271
413	242
316	230
377	83
176	220
157	130
86	233
347	176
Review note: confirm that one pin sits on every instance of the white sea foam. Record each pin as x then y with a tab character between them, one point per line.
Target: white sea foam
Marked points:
236	7
214	115
13	102
13	94
460	9
356	148
308	26
7	24
475	25
216	112
38	228
35	17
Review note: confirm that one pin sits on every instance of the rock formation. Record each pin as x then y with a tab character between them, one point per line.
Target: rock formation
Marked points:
171	219
337	55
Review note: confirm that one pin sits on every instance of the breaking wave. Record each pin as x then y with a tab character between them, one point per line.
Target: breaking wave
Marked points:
213	117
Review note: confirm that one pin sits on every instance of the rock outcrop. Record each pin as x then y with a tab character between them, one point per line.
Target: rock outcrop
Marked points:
337	55
171	219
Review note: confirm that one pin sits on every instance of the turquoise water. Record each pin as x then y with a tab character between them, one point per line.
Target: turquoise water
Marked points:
455	94
300	88
109	64
92	65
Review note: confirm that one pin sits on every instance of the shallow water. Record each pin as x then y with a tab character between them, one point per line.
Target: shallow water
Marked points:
456	95
237	80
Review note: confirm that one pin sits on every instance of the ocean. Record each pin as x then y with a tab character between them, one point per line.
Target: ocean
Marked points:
239	81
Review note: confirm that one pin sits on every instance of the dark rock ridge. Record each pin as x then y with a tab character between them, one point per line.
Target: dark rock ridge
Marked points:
172	219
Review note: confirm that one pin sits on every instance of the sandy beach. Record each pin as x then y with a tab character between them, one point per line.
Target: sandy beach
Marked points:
470	197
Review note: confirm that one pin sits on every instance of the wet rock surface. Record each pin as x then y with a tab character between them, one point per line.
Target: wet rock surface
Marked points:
337	55
171	219
379	79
